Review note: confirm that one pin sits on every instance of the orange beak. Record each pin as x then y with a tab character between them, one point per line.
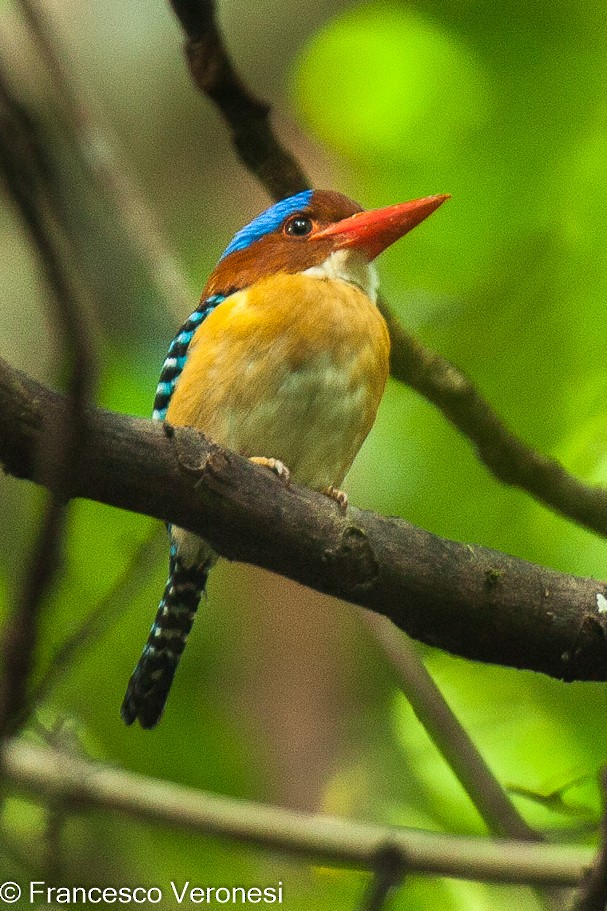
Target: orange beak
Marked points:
373	231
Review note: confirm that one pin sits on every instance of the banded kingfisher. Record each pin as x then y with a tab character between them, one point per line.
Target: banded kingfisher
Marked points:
284	360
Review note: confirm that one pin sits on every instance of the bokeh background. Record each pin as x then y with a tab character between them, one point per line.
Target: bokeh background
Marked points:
282	696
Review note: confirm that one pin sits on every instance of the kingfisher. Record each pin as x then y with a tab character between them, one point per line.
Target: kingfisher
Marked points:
284	361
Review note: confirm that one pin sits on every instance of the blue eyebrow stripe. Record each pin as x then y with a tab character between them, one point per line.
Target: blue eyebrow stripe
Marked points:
268	221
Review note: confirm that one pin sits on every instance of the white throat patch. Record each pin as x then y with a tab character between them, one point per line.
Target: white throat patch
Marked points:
349	266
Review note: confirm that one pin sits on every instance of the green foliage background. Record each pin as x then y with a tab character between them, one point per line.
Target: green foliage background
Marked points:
281	696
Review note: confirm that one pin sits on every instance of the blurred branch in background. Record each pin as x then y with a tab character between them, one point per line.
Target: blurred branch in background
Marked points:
82	784
108	169
438	591
61	442
447	734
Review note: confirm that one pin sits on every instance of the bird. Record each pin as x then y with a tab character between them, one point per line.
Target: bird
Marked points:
284	361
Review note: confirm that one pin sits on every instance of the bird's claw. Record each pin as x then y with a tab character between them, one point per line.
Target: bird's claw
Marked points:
274	465
340	496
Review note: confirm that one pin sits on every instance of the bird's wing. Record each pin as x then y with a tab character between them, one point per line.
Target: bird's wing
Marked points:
177	355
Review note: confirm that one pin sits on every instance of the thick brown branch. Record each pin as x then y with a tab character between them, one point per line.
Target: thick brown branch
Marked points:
469	600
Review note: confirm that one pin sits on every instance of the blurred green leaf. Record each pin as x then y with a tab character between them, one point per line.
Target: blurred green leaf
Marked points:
394	85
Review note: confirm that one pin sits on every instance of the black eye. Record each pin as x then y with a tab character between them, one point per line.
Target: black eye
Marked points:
298	226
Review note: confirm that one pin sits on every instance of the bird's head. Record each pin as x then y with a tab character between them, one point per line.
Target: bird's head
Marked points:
317	231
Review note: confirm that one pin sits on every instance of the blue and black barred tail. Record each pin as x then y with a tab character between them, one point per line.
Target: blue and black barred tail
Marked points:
149	686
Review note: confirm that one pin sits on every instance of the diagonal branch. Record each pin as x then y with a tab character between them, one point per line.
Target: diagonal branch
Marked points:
468	600
449	737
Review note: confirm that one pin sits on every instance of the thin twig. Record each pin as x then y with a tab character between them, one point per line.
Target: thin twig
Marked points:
82	784
22	163
509	458
247	117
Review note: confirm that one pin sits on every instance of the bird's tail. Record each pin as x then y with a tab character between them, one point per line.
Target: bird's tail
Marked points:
151	680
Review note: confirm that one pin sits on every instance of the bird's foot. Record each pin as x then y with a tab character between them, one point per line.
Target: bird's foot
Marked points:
340	496
275	465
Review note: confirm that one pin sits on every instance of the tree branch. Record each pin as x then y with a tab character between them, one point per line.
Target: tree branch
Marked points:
390	869
79	784
468	600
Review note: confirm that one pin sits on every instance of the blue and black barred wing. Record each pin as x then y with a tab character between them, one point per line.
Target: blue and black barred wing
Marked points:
178	353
